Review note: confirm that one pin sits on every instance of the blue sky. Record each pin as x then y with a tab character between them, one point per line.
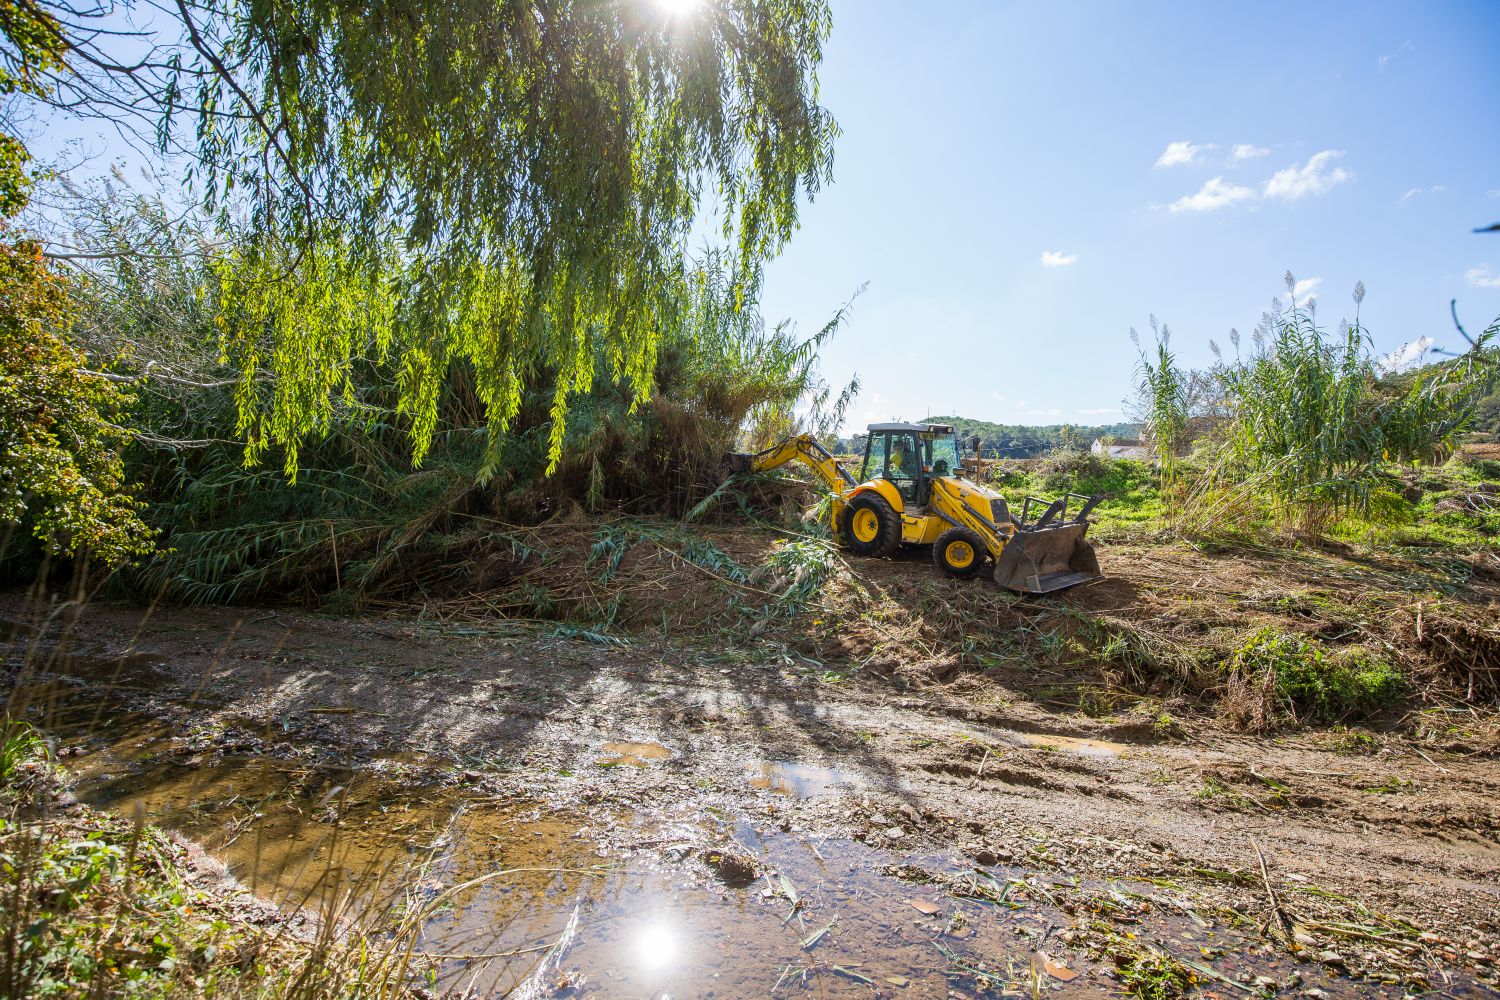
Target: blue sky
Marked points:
1020	184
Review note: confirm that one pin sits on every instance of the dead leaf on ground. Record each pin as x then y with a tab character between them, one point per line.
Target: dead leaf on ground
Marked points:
1057	970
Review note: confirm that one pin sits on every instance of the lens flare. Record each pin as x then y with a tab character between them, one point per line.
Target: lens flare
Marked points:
657	946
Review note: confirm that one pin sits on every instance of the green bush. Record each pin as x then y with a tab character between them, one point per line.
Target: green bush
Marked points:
1317	422
1129	486
360	518
1313	684
61	476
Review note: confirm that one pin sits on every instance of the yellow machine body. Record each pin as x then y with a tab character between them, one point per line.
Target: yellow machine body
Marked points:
907	495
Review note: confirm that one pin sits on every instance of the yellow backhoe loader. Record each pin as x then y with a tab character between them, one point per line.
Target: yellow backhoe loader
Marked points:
909	492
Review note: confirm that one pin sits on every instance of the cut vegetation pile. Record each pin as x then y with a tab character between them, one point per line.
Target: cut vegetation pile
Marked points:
1262	635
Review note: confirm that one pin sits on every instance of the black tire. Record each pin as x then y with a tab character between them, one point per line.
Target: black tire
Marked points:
887	526
959	552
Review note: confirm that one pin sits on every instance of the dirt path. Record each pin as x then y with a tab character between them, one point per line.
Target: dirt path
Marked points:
1385	861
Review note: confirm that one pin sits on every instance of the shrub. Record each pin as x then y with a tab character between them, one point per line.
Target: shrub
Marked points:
1308	682
360	517
60	439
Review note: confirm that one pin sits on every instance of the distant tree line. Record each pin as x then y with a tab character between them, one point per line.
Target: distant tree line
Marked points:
1013	440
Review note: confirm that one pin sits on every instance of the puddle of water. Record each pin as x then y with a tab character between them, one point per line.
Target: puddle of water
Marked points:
632	754
290	832
1073	744
802	781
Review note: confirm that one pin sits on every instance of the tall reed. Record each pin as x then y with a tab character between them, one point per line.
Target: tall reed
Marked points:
1313	418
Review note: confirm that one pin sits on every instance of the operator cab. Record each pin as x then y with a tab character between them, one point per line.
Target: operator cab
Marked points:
910	456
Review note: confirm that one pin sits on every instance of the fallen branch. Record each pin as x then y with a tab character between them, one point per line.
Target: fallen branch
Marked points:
1278	912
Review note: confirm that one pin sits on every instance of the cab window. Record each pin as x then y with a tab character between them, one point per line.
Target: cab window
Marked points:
903	464
874	458
942	455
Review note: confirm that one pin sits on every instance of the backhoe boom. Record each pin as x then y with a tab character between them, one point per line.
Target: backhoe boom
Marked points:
805	448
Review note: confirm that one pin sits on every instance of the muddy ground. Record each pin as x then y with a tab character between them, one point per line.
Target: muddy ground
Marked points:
652	817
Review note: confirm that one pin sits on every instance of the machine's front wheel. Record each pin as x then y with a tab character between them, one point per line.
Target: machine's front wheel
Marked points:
870	526
959	552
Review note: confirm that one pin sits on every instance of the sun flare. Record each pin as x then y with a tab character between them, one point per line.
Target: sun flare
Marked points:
657	946
679	8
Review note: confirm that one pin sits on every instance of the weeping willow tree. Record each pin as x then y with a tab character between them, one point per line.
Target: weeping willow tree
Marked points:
1317	422
360	518
506	185
511	187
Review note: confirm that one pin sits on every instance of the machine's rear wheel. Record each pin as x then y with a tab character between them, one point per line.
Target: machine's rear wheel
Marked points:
959	552
871	527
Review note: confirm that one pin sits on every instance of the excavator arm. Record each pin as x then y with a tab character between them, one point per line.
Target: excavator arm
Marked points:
802	448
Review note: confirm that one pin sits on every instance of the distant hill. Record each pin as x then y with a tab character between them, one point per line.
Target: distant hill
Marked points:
1014	440
1487	413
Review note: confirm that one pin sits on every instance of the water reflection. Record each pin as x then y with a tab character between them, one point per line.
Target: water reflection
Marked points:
1073	744
800	781
624	754
657	946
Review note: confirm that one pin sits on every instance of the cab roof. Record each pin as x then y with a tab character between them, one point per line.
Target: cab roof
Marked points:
919	428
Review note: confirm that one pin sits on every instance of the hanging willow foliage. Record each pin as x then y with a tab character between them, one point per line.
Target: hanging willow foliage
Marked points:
507	185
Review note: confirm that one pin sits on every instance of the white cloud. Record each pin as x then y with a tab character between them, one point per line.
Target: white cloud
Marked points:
1385	60
997	397
1178	153
1315	177
1304	290
1056	258
1214	194
1480	277
1247	151
1050	412
1099	413
1493	194
1412	193
1406	355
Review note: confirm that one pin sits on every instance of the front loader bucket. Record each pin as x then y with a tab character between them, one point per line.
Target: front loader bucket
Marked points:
1041	560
